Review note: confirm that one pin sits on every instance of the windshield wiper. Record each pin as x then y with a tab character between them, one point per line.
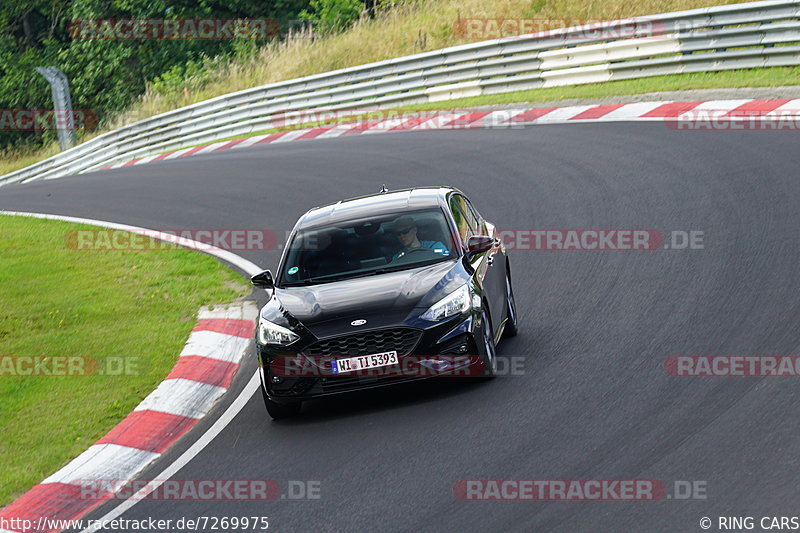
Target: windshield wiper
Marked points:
407	266
388	270
314	281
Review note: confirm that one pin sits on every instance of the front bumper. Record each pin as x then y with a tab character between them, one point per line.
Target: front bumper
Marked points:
449	348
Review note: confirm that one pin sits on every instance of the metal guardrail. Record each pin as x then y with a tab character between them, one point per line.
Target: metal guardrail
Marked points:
750	35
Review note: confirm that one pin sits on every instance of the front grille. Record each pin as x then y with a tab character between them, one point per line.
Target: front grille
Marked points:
401	340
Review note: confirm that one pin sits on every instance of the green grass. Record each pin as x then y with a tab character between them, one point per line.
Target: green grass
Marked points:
57	301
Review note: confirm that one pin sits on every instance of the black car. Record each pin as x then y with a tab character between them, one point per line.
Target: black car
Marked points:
383	289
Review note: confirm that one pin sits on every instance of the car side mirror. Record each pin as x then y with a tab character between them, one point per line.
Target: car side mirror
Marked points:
263	280
477	244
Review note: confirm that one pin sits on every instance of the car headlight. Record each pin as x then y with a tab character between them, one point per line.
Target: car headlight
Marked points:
270	333
453	304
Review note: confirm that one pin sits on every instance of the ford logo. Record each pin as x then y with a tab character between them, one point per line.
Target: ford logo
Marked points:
359	322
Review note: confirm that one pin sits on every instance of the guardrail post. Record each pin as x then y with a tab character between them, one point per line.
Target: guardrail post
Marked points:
62	106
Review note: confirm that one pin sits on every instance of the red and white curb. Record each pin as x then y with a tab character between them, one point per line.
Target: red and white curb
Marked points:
666	111
201	376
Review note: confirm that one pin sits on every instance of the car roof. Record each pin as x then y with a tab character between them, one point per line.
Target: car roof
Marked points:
380	203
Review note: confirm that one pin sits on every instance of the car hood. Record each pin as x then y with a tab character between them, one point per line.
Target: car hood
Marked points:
382	300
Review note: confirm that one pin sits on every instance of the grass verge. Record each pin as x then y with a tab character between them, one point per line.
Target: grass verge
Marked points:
61	302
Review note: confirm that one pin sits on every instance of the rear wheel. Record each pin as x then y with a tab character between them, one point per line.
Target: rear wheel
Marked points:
510	329
489	350
280	410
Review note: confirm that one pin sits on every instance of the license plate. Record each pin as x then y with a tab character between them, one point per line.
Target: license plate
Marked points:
363	362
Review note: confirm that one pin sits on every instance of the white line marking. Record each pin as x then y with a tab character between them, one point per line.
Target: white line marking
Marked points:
790	106
198	446
146	159
632	111
182	397
339	129
290	136
211	147
177	153
719	105
114	461
563	113
236	312
215	345
249	141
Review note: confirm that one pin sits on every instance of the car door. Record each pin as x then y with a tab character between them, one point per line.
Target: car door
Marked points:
496	268
485	264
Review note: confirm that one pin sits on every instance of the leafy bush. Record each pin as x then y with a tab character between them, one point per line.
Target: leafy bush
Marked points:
333	16
105	76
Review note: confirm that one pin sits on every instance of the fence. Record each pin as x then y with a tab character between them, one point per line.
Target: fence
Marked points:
750	35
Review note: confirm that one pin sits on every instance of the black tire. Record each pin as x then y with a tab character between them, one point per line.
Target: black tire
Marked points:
280	410
489	349
510	329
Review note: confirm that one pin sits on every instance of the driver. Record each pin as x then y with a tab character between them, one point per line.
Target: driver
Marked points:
405	228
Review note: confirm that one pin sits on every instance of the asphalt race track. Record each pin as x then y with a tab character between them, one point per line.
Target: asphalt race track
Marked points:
596	326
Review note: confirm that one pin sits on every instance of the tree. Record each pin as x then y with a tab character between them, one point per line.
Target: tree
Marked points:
105	75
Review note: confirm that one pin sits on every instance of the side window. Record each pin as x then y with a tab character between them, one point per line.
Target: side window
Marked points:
465	219
477	216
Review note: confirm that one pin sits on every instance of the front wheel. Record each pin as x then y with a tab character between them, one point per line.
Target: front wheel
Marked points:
489	349
280	410
510	329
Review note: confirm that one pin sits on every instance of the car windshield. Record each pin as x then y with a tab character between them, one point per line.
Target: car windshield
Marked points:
367	246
